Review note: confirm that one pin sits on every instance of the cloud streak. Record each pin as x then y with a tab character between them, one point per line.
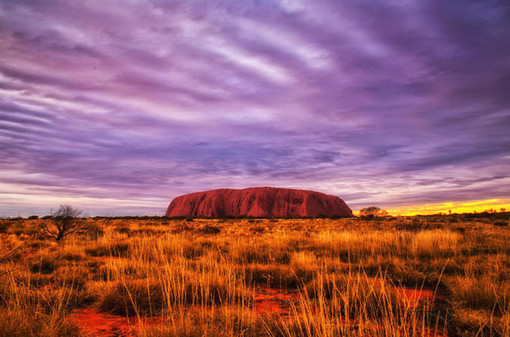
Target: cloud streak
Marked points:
380	103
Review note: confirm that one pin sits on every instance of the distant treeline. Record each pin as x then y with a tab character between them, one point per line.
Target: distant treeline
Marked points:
456	216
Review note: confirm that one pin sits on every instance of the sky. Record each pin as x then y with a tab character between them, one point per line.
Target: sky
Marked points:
118	106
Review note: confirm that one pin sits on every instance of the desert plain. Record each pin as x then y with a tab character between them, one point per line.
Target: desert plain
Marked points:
441	275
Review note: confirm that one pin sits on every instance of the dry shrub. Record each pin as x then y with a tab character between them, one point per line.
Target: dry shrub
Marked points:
115	270
4	225
259	252
132	298
149	298
481	293
182	227
93	231
276	276
304	266
44	264
120	249
303	260
257	229
478	323
356	295
435	243
227	321
209	230
123	229
14	323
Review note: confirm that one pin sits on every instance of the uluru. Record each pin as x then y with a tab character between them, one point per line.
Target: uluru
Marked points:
259	202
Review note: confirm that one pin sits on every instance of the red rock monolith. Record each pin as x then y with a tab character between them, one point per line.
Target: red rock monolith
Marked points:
260	202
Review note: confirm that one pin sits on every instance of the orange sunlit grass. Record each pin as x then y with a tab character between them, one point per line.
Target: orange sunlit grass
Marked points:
352	277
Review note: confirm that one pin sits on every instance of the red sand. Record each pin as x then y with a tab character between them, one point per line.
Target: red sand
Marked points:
416	297
93	323
271	301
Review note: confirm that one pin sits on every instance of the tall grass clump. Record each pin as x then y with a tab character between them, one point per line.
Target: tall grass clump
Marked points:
26	311
353	305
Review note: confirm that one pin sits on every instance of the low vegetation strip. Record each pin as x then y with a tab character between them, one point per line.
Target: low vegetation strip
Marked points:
419	276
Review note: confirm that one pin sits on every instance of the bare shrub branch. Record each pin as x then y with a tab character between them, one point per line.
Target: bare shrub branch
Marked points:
63	223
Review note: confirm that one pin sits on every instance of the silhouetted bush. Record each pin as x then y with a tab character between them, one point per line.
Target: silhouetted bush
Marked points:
64	223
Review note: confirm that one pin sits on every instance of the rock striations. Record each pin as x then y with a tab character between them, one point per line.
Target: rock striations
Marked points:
260	202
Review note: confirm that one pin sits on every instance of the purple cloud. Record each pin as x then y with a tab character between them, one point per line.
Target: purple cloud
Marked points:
119	107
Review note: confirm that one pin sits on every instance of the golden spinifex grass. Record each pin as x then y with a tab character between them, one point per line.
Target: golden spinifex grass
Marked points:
345	277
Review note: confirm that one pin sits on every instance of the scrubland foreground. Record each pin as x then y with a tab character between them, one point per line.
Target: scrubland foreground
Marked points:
419	276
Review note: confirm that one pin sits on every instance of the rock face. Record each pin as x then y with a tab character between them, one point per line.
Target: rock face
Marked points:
260	202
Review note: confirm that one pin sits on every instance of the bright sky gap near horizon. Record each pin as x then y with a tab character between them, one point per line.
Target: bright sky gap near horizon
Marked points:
116	107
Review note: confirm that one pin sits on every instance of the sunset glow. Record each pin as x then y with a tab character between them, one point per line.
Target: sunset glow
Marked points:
494	205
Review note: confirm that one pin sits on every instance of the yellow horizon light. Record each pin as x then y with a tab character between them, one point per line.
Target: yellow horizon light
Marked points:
477	206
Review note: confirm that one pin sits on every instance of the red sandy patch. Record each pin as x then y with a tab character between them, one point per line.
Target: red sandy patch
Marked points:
416	297
93	323
271	301
279	301
98	324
